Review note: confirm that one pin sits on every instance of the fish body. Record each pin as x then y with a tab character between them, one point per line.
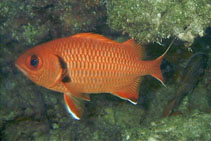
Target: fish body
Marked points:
88	63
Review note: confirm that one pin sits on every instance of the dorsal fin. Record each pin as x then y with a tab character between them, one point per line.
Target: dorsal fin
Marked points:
93	36
136	49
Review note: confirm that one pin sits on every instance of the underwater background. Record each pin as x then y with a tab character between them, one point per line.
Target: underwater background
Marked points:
182	111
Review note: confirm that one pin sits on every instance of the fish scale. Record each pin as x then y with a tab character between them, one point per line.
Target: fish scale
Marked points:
88	63
111	70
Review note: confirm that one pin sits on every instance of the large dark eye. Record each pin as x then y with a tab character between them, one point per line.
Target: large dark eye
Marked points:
34	61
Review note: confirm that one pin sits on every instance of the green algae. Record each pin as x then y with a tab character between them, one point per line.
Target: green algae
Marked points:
196	126
122	115
34	21
24	131
151	21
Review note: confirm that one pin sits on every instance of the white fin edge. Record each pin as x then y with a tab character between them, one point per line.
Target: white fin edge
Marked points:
134	103
71	113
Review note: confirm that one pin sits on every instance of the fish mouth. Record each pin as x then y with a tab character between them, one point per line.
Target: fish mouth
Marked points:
22	70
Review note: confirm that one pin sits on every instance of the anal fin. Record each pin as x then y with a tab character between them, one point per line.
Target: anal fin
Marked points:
130	92
74	106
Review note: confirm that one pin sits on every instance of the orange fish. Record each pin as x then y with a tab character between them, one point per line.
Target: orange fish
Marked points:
88	63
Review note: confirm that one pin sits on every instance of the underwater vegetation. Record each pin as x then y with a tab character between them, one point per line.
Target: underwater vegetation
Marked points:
192	127
30	112
30	22
153	20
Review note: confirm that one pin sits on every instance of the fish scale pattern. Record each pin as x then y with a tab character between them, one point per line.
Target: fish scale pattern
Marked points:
98	66
89	63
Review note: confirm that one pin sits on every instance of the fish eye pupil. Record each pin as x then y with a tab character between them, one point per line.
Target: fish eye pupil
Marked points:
34	61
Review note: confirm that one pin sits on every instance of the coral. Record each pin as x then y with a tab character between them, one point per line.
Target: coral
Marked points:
154	20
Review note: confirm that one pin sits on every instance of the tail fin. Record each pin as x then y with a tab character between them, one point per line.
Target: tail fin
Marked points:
156	65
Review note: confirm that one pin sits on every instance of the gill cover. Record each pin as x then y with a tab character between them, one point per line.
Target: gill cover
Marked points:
40	65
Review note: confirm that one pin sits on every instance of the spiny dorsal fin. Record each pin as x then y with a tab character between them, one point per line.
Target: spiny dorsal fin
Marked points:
93	36
136	49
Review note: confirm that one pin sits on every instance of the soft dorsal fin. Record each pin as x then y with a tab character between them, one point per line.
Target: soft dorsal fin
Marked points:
93	36
136	49
130	93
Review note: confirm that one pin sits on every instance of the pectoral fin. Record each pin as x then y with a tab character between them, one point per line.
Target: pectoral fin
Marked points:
74	106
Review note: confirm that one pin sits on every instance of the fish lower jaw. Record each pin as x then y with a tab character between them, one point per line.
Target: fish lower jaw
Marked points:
23	71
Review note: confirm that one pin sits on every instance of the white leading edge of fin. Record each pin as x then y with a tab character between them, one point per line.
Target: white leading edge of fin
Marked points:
71	113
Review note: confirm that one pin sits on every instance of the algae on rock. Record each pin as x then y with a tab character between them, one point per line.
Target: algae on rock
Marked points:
196	126
35	21
154	20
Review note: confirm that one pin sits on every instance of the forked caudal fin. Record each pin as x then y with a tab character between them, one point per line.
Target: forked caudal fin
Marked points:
156	71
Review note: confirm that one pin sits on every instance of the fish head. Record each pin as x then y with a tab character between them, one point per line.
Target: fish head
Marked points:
40	65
